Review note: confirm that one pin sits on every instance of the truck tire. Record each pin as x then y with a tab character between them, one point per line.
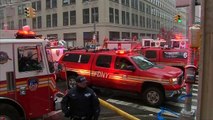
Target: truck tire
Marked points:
71	81
8	112
153	96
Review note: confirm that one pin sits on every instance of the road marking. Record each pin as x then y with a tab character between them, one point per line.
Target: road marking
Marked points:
53	113
193	90
137	106
180	105
193	94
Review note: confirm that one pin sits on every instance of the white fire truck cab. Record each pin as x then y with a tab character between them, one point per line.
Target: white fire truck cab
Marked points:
27	79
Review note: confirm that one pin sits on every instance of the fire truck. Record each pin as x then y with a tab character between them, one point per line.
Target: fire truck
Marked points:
27	83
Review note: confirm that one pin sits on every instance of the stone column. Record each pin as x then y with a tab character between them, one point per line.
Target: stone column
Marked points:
205	95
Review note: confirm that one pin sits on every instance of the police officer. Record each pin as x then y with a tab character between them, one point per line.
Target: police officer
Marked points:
81	103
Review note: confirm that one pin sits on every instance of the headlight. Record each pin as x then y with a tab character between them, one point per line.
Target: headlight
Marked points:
174	80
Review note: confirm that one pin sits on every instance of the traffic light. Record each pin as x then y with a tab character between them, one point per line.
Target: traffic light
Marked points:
179	18
176	18
33	12
27	12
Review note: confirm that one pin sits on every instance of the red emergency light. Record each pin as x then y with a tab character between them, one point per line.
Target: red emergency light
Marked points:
23	34
121	52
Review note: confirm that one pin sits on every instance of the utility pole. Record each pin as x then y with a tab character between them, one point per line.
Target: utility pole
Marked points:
94	26
187	113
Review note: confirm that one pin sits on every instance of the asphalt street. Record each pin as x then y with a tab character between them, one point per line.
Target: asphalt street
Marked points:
133	105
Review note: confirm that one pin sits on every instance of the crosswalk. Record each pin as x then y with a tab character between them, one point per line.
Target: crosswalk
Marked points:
175	106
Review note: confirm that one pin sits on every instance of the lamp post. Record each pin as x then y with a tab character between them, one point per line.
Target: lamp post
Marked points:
94	34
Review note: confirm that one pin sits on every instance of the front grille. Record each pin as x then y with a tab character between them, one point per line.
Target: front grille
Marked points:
180	79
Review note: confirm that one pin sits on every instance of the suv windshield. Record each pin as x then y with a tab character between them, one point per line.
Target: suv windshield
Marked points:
142	62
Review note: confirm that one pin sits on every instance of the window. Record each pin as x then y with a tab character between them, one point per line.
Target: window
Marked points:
117	1
133	19
122	63
29	59
114	35
54	3
34	23
125	35
136	20
36	5
21	9
104	61
51	4
1	14
94	14
71	57
48	5
123	17
10	25
116	16
24	22
39	22
85	58
68	2
151	54
55	36
48	21
70	38
72	17
65	19
127	18
142	62
77	58
19	24
65	2
85	16
111	15
55	21
143	21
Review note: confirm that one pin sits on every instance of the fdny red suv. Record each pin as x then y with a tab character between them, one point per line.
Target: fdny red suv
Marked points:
124	71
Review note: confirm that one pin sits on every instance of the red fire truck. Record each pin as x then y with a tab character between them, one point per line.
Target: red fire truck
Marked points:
27	83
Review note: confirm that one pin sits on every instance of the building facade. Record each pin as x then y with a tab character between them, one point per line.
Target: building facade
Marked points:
76	21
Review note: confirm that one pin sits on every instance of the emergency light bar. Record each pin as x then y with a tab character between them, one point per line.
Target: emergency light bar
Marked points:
121	52
23	34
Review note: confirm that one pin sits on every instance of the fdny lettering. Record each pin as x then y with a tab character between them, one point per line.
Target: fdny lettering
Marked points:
101	74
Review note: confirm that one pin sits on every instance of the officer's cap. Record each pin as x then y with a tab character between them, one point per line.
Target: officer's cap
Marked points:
80	79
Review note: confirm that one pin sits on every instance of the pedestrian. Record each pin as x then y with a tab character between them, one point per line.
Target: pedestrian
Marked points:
81	102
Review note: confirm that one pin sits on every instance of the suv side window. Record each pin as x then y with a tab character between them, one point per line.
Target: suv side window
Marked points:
104	61
122	63
85	58
71	57
76	58
151	54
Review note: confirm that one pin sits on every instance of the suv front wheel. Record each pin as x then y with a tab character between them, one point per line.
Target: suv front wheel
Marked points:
153	96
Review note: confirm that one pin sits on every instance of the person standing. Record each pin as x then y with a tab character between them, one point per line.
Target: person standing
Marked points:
81	102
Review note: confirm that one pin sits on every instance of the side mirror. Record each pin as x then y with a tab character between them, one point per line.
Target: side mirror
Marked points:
131	67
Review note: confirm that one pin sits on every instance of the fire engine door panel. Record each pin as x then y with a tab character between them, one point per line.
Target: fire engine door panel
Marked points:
7	82
32	81
122	77
101	70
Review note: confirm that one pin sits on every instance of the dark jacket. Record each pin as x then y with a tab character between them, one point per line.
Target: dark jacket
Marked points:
81	102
